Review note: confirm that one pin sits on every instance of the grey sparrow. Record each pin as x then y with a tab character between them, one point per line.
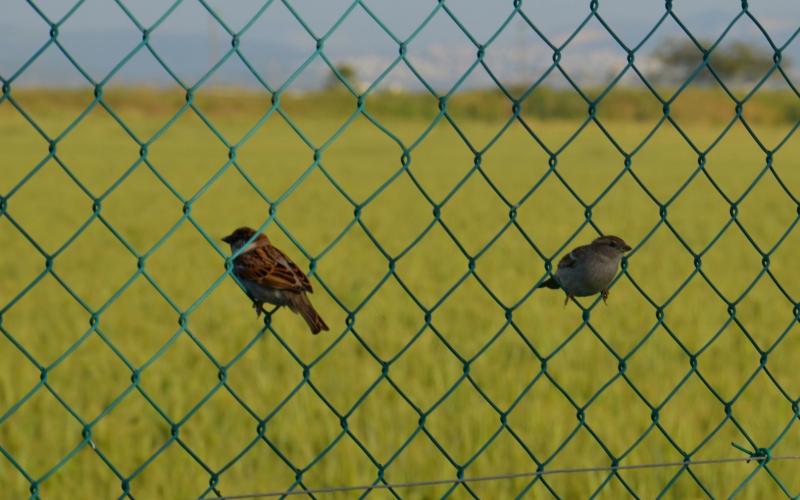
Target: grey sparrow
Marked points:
588	269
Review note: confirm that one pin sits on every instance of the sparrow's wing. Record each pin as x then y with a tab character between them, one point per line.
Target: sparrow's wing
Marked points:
284	263
269	267
573	257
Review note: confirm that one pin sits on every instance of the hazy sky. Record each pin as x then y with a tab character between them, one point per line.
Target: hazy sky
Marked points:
99	34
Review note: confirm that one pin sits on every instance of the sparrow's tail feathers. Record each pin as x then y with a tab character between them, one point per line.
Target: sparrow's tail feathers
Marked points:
550	283
301	305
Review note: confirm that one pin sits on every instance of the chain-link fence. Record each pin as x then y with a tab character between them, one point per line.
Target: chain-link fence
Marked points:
486	380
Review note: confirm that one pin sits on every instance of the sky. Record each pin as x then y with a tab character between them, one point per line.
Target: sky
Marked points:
98	35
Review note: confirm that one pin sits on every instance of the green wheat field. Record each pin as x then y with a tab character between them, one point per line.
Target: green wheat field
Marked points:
179	368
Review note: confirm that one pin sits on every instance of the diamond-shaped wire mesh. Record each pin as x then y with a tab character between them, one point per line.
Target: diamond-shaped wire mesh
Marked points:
440	362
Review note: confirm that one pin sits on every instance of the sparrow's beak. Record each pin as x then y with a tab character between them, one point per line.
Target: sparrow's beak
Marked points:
626	248
228	239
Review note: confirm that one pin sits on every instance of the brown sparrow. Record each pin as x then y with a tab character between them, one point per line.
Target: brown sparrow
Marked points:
589	269
268	275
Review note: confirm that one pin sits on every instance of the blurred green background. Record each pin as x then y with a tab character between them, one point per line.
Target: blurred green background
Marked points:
425	363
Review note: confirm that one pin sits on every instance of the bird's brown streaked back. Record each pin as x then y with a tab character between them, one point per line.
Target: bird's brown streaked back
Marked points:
268	266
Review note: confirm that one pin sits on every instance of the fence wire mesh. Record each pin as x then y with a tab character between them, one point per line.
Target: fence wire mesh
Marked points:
576	410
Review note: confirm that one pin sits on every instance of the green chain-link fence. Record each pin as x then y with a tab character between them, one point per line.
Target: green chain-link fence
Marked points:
502	424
